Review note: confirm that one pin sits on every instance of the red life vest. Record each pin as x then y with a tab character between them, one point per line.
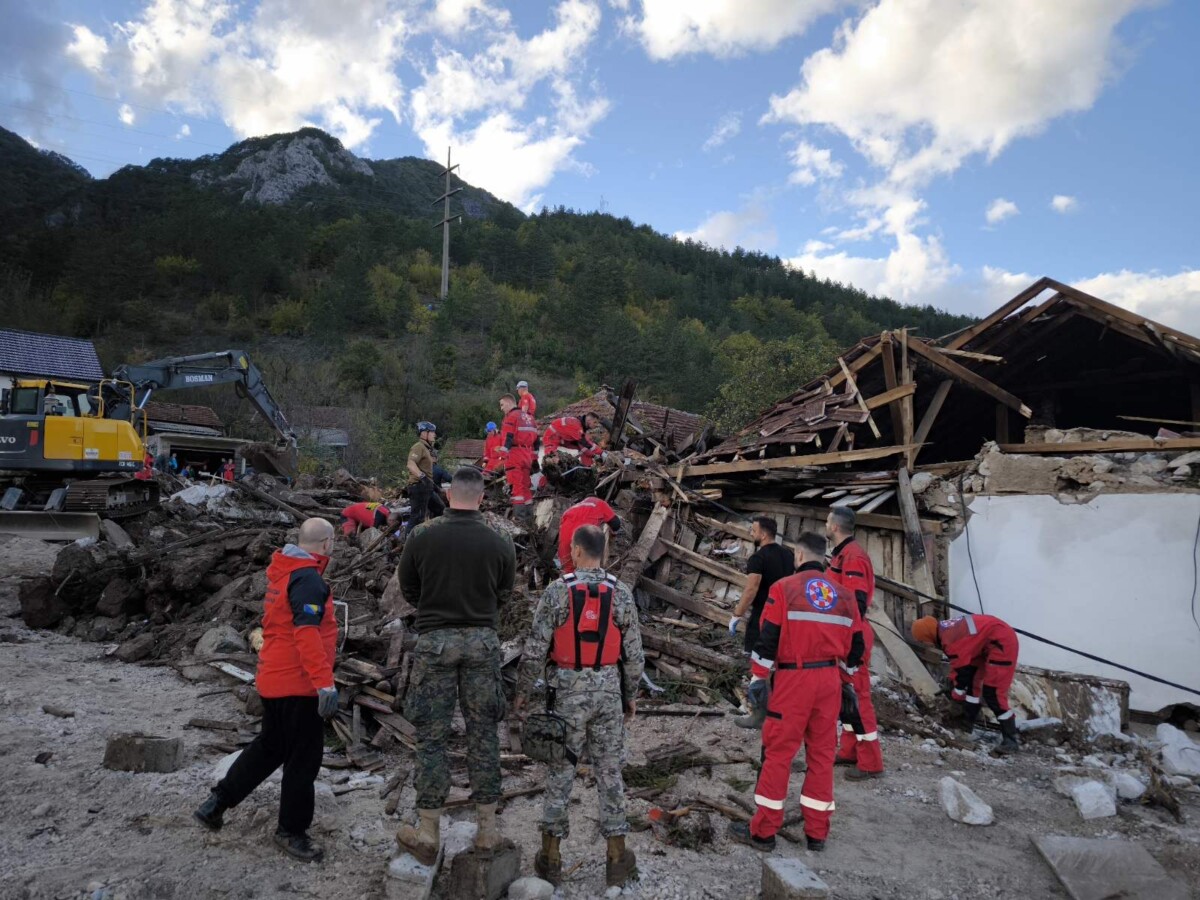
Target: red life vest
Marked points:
590	637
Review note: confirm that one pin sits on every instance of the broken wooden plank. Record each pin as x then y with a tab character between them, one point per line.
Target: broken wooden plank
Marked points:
635	562
858	397
682	601
741	815
860	363
911	668
871	520
967	354
892	383
881	498
893	395
969	378
231	669
1119	445
790	462
704	564
1002	313
935	406
689	651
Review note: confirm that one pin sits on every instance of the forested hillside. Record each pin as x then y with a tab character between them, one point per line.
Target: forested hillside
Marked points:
326	268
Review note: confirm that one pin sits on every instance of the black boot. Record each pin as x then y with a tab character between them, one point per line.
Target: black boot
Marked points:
211	813
740	832
814	845
299	846
1009	743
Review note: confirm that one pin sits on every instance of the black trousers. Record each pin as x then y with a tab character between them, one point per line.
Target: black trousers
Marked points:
292	736
756	610
426	502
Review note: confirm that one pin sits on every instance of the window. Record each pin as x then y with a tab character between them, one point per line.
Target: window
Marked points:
25	401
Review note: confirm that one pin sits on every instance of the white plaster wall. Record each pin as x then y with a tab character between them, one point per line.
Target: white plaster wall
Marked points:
1113	577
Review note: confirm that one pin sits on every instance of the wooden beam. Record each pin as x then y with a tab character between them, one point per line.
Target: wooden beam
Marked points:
897	648
680	600
858	398
872	520
689	651
631	569
1121	445
969	378
927	420
1190	422
704	564
907	376
789	462
857	366
914	671
967	354
1003	312
1185	340
893	384
1002	423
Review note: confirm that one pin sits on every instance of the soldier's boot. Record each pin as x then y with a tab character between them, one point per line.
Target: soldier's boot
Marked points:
620	866
1009	743
547	865
487	836
423	841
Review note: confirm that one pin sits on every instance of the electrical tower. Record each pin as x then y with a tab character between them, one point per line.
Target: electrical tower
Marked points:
445	225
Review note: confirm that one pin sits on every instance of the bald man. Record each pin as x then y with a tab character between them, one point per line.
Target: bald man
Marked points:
295	679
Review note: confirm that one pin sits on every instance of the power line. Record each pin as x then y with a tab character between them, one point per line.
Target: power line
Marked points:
156	109
122	127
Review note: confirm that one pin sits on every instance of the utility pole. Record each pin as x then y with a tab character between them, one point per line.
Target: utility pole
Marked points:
445	225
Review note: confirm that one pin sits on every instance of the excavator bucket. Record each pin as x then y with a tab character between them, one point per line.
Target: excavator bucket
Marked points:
274	459
50	526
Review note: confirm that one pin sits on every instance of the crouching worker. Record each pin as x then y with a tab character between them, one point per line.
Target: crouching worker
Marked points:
586	625
983	662
295	679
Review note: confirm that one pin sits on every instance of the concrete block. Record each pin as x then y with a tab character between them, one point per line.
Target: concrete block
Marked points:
1094	800
1180	755
410	880
790	879
1093	869
1129	787
962	804
143	753
115	534
484	876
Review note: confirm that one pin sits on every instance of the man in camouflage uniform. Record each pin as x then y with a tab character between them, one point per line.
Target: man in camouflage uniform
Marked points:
456	570
591	695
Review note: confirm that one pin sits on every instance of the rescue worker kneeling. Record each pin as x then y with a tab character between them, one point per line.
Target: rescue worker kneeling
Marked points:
983	662
587	624
808	625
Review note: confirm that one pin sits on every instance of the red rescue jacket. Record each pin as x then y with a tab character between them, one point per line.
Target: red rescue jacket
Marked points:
590	637
974	640
851	567
299	627
567	431
528	403
491	459
368	515
519	430
807	620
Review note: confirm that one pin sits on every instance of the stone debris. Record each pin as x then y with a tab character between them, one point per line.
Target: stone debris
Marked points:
790	879
143	753
1094	869
530	888
962	804
219	640
1094	800
1180	754
1129	787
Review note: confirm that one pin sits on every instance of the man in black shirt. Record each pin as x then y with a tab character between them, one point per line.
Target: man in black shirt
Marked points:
769	562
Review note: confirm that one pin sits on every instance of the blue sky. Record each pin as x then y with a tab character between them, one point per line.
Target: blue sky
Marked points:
942	151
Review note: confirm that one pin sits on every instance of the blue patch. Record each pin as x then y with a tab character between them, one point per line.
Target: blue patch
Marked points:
312	609
821	595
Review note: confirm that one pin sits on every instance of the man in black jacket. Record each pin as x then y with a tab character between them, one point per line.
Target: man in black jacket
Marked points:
457	571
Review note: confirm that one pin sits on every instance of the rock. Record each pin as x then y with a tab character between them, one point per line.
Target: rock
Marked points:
920	481
410	880
1095	869
218	640
143	753
1022	474
1148	464
1129	787
393	605
136	648
530	888
42	810
1093	800
1180	756
1182	472
1187	459
254	703
1066	783
120	596
116	535
485	876
103	628
326	800
186	572
214	581
962	804
234	590
368	537
58	711
40	605
790	879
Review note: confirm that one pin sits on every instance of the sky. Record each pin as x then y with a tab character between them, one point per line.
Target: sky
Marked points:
934	151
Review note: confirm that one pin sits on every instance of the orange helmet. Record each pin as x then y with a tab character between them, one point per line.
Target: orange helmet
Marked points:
925	630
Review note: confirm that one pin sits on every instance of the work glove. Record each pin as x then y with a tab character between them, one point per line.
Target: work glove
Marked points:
759	692
327	702
733	625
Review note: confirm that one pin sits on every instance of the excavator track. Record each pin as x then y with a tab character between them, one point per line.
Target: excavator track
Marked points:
112	498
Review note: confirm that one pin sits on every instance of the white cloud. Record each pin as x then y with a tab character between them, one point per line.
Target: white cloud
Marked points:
673	28
125	114
749	227
919	86
817	247
727	128
185	130
286	64
999	210
451	16
1062	203
87	47
472	102
813	163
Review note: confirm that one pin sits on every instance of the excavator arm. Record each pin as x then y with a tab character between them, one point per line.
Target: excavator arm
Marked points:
207	370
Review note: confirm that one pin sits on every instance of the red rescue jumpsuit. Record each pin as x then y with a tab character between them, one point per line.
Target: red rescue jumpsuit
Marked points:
568	432
519	433
527	403
807	628
492	461
591	511
851	567
363	515
983	655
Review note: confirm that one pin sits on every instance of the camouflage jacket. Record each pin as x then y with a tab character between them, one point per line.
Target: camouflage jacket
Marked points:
552	611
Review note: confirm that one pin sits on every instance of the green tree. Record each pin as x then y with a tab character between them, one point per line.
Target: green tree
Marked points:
358	366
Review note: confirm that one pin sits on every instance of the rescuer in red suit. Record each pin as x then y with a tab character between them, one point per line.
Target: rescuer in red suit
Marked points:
519	435
589	511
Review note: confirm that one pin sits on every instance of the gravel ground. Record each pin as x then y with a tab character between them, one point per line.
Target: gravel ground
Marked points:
71	829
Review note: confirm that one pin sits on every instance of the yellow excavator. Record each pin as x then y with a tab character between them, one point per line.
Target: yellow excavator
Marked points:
71	451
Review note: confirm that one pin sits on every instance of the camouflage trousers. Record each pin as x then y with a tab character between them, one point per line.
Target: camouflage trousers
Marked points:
452	664
597	725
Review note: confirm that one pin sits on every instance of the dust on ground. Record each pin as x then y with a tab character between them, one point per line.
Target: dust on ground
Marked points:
71	829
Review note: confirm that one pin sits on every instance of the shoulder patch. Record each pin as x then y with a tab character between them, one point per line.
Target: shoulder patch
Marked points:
569	577
821	595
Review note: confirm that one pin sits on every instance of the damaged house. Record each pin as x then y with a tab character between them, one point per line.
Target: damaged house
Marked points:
1040	465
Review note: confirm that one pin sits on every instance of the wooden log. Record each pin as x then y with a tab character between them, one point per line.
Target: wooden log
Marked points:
704	564
858	397
927	420
686	650
1120	445
635	562
969	378
742	815
800	461
683	601
965	337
